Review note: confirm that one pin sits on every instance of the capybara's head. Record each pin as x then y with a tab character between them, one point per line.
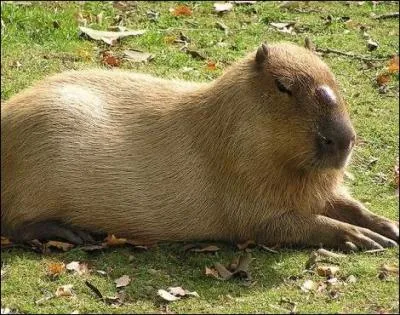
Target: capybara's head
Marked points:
301	119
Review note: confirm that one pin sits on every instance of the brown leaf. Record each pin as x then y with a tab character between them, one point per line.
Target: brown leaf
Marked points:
181	10
59	245
90	248
394	65
77	267
108	37
383	79
112	240
138	56
54	269
112	61
242	269
94	289
212	272
167	296
64	290
325	271
249	243
207	249
122	281
195	54
223	7
390	269
308	285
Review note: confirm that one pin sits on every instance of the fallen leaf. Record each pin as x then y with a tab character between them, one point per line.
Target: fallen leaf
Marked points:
115	300
212	272
351	279
99	17
42	300
223	27
207	249
372	45
137	56
285	27
112	240
181	10
77	267
94	289
101	272
64	290
249	243
390	269
54	269
308	285
90	248
382	79
167	296
59	245
394	65
223	7
122	281
195	54
108	37
110	60
332	281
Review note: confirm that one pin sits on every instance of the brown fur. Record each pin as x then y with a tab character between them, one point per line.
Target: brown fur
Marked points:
154	159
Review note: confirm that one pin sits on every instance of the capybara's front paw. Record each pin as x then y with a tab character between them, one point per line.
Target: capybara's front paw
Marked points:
387	228
354	238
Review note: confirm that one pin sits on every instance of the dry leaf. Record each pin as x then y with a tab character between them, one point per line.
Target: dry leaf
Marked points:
90	248
122	281
394	65
137	56
383	79
99	17
325	271
112	61
59	245
249	243
223	7
372	45
109	37
42	300
308	285
101	272
111	240
351	279
181	10
64	290
195	54
54	269
211	272
208	249
285	27
167	296
77	267
390	269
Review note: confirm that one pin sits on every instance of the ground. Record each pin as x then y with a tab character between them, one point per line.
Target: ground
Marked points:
38	39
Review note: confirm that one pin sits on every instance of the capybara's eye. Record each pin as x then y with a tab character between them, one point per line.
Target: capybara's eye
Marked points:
282	87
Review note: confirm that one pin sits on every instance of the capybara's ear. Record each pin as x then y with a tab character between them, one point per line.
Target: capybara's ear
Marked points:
262	53
309	44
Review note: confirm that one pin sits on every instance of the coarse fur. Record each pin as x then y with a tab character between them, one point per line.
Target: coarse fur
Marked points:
166	160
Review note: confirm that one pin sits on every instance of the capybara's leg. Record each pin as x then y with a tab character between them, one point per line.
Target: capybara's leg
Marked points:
51	230
354	212
317	230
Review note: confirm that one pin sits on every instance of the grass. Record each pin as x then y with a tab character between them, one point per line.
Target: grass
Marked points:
42	38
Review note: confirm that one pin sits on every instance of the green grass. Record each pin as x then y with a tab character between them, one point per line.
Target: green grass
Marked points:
31	39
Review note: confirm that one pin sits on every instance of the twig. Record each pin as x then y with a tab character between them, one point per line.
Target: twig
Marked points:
342	53
387	16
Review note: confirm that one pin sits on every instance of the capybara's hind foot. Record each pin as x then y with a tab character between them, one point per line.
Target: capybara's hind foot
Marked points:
52	230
